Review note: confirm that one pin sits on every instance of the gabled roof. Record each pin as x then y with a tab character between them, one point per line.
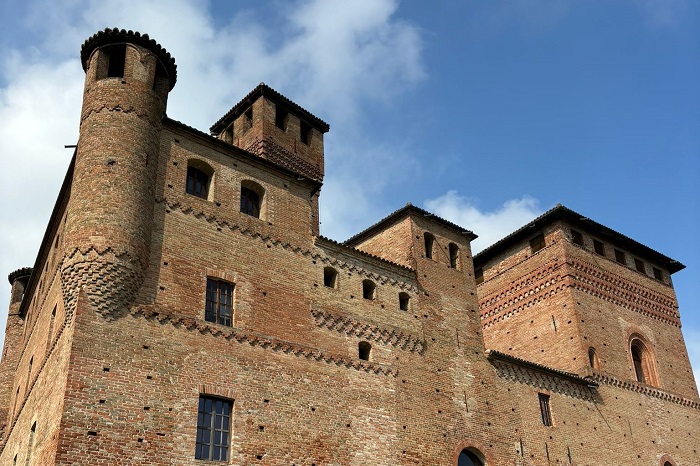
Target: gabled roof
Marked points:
263	89
559	212
400	214
116	36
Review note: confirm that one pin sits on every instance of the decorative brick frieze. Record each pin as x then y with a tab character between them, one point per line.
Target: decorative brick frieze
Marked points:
159	314
110	279
268	149
379	333
637	387
619	291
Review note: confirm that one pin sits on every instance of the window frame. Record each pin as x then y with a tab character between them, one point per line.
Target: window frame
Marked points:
545	409
198	178
214	314
211	429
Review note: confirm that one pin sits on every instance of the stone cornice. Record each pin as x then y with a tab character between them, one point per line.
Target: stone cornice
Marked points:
606	379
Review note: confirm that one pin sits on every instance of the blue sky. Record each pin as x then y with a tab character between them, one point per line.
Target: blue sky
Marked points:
486	112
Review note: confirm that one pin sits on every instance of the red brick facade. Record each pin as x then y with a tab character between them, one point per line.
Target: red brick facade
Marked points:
373	351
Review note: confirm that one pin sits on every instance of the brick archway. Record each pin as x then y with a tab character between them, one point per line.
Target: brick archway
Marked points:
475	447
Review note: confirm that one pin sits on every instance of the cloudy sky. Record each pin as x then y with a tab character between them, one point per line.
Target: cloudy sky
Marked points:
486	113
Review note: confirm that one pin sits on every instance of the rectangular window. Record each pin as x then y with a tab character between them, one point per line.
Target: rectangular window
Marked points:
281	118
304	132
620	256
219	302
537	243
639	265
598	247
213	429
544	409
577	237
657	274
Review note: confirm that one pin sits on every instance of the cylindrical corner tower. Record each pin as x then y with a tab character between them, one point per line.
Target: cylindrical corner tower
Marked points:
110	211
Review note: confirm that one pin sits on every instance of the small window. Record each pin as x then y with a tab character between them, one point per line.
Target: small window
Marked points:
643	362
368	289
219	305
593	360
544	409
330	277
305	132
281	116
213	429
639	265
111	62
537	243
251	198
197	182
657	274
454	256
620	257
249	115
576	237
479	276
469	458
598	247
364	350
404	300
429	241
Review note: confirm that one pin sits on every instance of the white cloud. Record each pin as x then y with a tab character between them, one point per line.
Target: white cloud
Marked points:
329	55
490	226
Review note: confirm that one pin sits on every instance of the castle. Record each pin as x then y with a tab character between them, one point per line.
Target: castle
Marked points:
183	310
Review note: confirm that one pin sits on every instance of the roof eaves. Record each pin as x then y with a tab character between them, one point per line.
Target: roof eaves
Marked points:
263	89
397	215
494	354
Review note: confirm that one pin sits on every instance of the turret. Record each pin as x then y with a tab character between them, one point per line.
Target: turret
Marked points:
273	127
110	211
12	348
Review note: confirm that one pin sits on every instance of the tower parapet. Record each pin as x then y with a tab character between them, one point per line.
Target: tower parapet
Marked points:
110	211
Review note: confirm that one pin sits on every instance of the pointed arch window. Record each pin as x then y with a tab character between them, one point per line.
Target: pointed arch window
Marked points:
468	457
643	362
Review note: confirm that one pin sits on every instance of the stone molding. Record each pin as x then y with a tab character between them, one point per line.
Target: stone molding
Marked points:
606	379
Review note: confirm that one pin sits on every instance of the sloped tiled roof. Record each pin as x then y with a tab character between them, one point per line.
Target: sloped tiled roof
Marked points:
115	36
399	214
493	354
263	89
559	212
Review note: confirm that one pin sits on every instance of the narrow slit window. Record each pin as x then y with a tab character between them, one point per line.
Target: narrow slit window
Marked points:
454	255
593	360
219	307
620	257
305	132
544	409
364	350
404	300
369	289
598	247
281	116
576	237
537	243
429	241
330	277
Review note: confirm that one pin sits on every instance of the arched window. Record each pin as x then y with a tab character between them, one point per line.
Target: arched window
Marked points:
428	239
404	300
330	277
199	176
364	350
252	195
468	457
454	256
368	289
593	360
643	362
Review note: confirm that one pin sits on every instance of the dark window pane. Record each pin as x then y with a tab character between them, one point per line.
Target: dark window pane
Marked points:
213	429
